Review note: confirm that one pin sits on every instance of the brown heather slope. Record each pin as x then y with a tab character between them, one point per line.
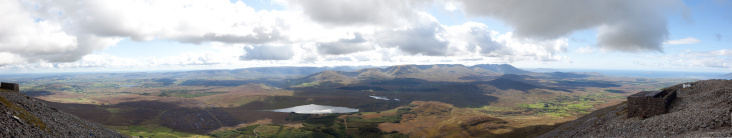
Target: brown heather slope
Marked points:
437	119
24	116
373	73
702	110
332	76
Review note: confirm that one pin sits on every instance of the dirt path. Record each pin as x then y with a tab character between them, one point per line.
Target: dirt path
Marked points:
255	131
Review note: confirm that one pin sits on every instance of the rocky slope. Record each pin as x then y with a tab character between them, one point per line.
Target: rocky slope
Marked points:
24	116
702	110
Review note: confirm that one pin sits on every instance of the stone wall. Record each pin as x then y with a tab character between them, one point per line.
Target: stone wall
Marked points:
649	103
10	86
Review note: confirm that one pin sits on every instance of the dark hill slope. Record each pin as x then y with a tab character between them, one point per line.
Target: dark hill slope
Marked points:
24	116
702	110
505	84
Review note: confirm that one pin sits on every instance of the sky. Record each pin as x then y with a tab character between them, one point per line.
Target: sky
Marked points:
38	36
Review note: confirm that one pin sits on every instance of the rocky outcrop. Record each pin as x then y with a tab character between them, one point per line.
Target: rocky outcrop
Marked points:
701	110
24	116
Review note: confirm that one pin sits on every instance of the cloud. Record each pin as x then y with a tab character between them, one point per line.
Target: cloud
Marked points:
419	40
723	52
260	37
66	31
714	58
523	49
704	62
359	12
688	40
24	39
10	58
345	46
585	50
647	63
474	36
623	25
268	53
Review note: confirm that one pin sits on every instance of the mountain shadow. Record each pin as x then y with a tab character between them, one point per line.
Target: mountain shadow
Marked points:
505	84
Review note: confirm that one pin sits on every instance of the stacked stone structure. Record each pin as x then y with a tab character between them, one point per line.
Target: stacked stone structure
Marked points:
10	86
650	103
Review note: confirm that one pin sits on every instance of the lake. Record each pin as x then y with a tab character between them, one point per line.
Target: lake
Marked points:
316	109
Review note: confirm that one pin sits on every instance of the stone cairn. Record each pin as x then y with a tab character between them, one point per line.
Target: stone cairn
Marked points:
649	103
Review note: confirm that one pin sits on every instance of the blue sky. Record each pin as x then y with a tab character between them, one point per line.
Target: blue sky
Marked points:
138	35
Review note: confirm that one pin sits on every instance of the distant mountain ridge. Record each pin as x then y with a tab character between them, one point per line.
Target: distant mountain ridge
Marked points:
437	72
502	68
333	76
387	72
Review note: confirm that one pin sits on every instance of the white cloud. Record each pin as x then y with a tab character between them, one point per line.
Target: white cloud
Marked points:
623	25
26	39
474	37
688	40
10	58
585	50
714	59
425	37
359	12
651	64
65	33
703	62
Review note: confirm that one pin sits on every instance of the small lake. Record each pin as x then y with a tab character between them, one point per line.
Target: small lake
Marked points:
316	109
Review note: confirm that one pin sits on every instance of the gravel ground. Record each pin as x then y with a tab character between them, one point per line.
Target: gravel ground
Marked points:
57	123
702	110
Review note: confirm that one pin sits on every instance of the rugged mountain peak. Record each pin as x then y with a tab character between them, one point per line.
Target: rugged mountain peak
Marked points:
24	116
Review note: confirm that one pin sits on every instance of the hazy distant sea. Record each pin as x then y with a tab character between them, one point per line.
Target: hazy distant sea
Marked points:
645	73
